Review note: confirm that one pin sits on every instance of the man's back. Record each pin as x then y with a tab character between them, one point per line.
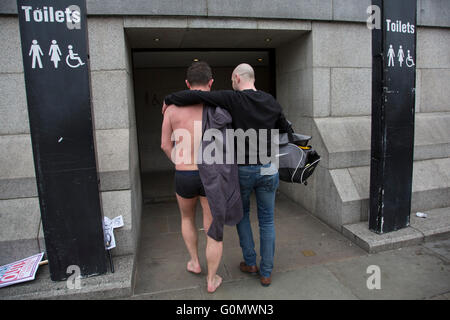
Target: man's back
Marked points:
186	123
250	109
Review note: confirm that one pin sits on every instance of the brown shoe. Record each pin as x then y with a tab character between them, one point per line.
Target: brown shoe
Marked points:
265	282
248	269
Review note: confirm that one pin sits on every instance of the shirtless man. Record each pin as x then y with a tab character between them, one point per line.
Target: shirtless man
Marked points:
181	124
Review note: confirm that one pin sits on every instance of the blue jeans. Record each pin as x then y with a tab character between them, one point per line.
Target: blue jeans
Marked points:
265	186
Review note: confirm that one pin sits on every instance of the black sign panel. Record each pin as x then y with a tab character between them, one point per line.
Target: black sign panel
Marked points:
393	108
55	59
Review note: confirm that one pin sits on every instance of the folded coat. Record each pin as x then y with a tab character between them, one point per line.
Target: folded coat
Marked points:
220	180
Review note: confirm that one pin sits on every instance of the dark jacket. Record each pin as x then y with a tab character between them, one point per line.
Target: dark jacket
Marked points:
250	110
220	180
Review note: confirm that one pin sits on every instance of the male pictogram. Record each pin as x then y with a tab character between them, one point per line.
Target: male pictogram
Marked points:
391	55
36	51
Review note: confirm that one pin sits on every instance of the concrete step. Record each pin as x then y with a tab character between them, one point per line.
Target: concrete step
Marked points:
341	196
345	141
430	189
420	230
108	286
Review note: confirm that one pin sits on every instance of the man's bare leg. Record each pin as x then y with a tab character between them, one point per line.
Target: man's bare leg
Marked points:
189	231
213	255
214	249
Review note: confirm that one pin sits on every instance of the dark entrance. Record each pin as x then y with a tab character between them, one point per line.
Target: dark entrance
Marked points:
160	72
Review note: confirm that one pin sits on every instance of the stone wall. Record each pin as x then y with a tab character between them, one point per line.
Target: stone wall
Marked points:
332	102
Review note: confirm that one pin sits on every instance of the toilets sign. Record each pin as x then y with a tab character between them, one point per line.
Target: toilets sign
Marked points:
51	28
55	61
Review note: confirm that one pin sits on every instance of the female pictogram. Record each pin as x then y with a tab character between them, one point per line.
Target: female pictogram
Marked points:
400	55
74	57
55	53
36	51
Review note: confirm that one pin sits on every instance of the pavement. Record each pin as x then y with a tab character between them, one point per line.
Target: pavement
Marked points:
312	261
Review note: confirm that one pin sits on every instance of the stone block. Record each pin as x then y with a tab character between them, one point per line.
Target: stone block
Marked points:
220	23
295	55
289	9
144	7
10	46
112	149
344	185
16	157
433	48
8	7
346	141
18	188
283	91
361	179
431	174
341	45
351	91
106	43
433	13
114	180
328	206
434	95
321	92
431	138
13	105
300	93
418	90
350	10
430	187
155	22
348	196
110	101
268	24
116	203
19	234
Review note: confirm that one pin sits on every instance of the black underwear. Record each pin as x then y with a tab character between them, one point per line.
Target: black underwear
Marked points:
188	184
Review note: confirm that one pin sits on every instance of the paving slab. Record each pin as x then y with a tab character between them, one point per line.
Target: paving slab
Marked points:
310	283
169	273
405	273
442	248
436	225
183	294
162	259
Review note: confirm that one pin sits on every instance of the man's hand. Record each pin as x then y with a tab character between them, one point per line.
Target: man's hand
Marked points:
164	107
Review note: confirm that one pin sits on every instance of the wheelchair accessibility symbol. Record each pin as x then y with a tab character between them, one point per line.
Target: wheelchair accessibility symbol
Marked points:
72	59
409	60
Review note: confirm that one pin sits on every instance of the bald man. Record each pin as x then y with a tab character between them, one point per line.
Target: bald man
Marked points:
250	109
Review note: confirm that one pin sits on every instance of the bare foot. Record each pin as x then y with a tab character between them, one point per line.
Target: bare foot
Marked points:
214	284
193	267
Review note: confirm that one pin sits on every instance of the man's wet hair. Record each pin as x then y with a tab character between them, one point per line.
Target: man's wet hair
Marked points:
199	73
